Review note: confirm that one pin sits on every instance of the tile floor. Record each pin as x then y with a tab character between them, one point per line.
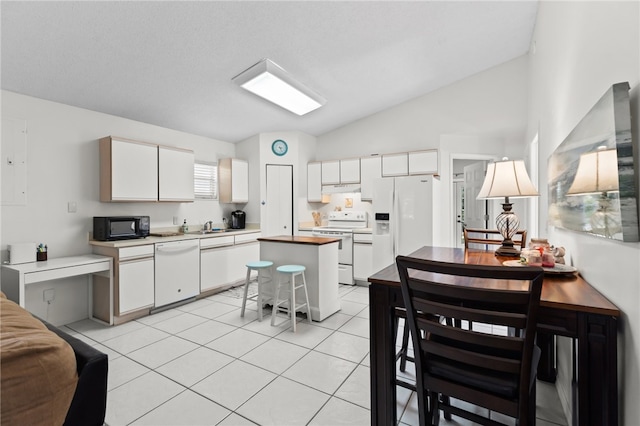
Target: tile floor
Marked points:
202	364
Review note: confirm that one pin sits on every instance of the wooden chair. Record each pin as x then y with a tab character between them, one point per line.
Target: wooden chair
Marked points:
491	237
491	371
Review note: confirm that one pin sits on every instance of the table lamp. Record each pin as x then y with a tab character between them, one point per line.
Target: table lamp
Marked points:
598	174
507	178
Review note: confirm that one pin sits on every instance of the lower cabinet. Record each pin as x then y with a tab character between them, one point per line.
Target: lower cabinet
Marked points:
362	256
223	260
136	278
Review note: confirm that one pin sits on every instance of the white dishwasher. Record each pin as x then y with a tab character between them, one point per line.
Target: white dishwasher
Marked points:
177	266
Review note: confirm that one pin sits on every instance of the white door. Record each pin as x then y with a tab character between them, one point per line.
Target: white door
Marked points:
475	211
414	199
458	193
279	202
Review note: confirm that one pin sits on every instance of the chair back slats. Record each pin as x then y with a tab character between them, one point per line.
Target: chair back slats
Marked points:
472	313
500	343
491	237
484	369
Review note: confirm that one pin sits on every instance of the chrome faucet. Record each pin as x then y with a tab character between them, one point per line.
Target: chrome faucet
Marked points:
208	226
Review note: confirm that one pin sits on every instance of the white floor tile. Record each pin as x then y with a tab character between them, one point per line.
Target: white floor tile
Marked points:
206	332
100	332
139	396
188	307
238	342
179	323
135	340
335	321
265	327
163	351
234	384
226	299
160	316
358	326
234	318
213	310
346	346
320	371
307	335
194	366
275	355
548	406
186	409
283	402
235	420
356	296
357	388
351	308
338	412
123	370
110	352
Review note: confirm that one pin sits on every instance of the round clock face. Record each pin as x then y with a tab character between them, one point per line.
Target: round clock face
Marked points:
279	147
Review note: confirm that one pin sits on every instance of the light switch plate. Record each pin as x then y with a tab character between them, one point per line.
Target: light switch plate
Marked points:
72	207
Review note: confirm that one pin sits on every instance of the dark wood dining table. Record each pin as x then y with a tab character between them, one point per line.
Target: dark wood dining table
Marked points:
569	306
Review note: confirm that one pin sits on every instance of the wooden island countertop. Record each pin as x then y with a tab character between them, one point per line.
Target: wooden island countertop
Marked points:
317	241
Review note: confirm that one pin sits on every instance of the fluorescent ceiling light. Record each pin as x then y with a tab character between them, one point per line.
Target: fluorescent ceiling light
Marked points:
269	81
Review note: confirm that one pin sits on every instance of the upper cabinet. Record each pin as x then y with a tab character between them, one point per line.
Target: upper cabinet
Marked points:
423	162
331	172
395	164
175	174
314	182
370	170
350	170
233	176
140	171
128	170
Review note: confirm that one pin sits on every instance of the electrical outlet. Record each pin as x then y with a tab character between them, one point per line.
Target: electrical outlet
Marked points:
49	295
72	207
176	221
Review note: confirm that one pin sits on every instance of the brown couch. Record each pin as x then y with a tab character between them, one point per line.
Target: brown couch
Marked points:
47	376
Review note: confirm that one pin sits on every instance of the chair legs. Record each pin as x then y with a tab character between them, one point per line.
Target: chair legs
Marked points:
299	270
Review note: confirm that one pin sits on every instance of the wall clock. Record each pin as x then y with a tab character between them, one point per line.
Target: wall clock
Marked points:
279	147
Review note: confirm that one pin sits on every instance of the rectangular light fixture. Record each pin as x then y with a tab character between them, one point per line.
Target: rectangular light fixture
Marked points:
269	81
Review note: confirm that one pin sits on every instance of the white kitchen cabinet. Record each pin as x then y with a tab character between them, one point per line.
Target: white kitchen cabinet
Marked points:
216	255
175	174
133	284
243	253
350	170
370	170
395	164
423	162
362	256
331	172
136	279
314	182
233	176
128	170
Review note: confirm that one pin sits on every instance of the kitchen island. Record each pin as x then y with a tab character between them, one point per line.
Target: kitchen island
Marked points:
320	257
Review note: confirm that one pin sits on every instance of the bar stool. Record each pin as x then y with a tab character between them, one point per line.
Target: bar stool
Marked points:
290	272
261	266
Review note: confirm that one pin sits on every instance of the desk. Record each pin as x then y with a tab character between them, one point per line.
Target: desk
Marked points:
569	306
15	278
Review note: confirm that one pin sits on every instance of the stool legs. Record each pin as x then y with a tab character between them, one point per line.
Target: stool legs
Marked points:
262	281
246	291
292	299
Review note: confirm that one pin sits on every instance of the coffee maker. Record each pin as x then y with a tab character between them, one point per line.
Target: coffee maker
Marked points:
237	219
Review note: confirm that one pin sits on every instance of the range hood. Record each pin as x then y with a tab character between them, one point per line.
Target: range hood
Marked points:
340	189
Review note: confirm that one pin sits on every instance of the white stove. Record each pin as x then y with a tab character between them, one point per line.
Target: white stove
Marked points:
341	225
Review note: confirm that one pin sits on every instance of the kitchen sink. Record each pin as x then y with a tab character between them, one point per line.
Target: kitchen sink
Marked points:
214	231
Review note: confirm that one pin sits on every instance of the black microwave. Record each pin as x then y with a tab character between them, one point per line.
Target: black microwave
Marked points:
111	228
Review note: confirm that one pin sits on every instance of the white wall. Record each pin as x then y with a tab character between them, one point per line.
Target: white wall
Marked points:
579	50
62	166
484	115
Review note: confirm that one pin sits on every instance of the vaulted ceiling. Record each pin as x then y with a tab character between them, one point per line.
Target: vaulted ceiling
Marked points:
171	63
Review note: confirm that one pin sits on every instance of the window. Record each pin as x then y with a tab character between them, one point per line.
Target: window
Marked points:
205	180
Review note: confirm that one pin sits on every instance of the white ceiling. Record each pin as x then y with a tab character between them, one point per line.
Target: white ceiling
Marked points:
171	63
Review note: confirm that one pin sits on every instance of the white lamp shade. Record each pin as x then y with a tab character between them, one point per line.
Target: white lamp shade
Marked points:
597	172
507	179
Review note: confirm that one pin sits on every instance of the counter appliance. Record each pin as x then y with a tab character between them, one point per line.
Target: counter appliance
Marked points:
238	219
112	228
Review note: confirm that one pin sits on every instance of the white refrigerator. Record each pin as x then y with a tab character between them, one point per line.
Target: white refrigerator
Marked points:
403	216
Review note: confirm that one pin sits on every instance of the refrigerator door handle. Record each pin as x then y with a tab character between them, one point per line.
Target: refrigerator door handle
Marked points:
395	222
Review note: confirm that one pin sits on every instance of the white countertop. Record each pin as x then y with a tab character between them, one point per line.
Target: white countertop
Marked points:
153	240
